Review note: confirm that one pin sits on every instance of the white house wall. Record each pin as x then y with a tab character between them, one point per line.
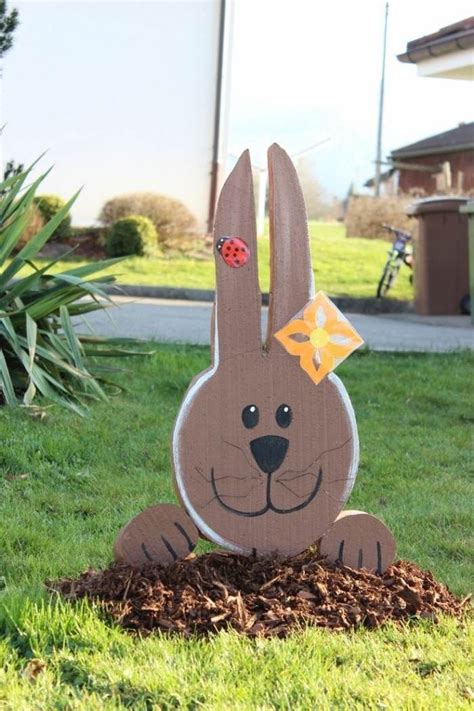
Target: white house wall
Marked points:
122	95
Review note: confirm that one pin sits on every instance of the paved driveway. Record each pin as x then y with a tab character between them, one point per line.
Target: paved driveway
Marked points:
189	321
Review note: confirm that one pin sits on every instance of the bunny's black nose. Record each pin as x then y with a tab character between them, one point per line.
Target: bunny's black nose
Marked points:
269	452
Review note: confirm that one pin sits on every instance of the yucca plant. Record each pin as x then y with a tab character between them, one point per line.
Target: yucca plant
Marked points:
40	354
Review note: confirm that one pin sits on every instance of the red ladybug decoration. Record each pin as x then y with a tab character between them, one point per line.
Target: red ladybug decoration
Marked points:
234	251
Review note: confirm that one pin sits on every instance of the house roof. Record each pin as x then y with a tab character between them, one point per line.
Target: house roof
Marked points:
451	38
386	175
456	139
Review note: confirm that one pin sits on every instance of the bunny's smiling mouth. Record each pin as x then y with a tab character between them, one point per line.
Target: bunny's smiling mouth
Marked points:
269	506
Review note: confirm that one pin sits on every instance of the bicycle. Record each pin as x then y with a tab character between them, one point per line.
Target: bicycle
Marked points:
399	254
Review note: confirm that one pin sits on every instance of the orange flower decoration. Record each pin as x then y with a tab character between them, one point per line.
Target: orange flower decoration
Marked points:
326	337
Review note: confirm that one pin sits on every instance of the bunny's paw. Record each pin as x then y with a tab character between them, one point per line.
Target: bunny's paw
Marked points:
160	534
359	540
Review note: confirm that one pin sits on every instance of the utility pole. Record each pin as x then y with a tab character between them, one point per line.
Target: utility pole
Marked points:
378	159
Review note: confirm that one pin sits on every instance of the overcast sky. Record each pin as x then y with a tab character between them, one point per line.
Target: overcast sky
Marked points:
302	71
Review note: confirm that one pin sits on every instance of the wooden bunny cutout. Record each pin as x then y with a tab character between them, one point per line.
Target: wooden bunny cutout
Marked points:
264	458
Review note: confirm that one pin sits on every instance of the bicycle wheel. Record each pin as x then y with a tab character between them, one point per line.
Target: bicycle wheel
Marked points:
465	305
385	281
388	277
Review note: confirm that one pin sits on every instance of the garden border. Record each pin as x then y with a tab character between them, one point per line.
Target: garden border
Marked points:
348	304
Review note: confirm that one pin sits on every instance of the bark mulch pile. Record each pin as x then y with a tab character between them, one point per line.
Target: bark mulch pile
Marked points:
259	597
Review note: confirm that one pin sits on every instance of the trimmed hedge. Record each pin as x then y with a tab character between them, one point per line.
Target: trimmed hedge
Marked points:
132	235
174	223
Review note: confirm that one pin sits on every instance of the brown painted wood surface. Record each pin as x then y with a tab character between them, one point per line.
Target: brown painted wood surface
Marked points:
291	274
160	534
359	540
237	290
234	497
264	457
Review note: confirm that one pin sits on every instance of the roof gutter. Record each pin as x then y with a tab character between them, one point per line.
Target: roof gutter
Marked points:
217	119
438	47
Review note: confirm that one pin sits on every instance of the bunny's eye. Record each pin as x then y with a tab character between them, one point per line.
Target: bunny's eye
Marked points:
284	415
250	416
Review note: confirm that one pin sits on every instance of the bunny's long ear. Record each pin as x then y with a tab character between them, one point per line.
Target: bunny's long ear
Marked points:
291	275
238	297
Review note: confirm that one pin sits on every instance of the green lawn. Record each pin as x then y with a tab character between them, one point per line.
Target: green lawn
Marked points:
343	267
68	484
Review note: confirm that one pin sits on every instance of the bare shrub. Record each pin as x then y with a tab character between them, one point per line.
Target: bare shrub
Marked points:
365	215
174	223
319	205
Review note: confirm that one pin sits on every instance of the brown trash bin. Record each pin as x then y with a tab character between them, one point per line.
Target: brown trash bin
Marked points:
441	256
468	209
